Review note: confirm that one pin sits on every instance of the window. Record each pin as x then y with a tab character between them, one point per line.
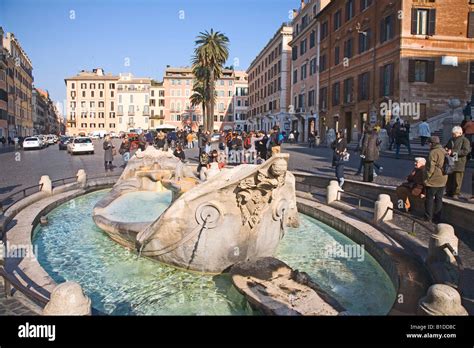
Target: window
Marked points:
303	47
386	28
423	21
322	63
131	98
92	94
92	86
312	66
295	76
349	9
73	85
421	71
301	101
112	85
348	90
324	30
311	98
337	55
348	51
303	72
364	4
336	93
294	52
471	73
312	39
323	98
364	86
83	85
470	25
386	80
101	86
364	41
337	19
101	104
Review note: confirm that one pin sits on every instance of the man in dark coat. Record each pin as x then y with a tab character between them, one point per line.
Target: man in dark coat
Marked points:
457	147
403	138
414	186
435	181
370	153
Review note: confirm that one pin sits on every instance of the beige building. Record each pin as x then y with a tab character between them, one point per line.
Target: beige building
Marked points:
269	83
91	102
240	100
19	83
133	110
157	104
4	116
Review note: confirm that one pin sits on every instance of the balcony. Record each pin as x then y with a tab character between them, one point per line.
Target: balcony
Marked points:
120	113
157	117
131	113
146	112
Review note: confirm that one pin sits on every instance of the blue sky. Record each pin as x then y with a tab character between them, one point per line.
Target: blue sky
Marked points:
149	34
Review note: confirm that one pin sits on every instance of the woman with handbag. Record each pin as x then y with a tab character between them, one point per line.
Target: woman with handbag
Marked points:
340	156
108	153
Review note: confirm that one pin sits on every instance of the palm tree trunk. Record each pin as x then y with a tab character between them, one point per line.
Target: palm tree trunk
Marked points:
211	108
204	116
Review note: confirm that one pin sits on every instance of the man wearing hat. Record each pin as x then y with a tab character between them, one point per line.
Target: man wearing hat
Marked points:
435	181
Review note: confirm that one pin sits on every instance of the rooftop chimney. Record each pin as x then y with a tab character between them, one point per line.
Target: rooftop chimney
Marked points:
99	71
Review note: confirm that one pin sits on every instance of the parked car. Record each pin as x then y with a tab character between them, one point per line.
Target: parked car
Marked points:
50	139
44	142
32	143
63	142
80	145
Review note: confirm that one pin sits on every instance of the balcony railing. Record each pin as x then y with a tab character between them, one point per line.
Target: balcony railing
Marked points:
157	117
120	113
131	113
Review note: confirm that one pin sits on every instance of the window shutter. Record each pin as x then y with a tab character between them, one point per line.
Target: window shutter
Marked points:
381	94
392	78
411	70
430	72
432	22
414	22
470	25
382	32
359	88
367	85
471	73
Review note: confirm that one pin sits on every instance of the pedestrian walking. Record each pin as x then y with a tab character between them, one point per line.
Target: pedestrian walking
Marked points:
370	153
467	111
312	139
459	148
340	152
124	151
291	138
435	181
424	132
189	139
108	153
403	138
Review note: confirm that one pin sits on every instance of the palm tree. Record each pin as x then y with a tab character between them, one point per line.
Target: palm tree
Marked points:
200	97
211	53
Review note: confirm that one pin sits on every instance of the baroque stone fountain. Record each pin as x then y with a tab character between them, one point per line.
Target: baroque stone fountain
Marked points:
238	215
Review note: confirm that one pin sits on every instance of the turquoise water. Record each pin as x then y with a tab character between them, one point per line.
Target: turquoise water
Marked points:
140	206
72	247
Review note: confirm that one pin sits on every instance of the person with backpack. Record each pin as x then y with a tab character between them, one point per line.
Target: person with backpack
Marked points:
435	181
459	148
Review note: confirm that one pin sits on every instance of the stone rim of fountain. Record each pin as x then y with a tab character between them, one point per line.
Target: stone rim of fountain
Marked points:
44	284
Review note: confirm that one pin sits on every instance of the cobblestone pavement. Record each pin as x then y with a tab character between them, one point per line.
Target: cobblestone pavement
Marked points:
12	305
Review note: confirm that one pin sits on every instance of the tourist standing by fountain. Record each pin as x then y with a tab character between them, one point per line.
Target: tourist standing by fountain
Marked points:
370	153
125	150
108	153
340	152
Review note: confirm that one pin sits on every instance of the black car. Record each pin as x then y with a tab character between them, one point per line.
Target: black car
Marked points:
63	141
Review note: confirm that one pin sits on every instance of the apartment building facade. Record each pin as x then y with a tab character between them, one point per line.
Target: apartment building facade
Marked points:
240	101
377	56
91	102
269	84
157	104
178	85
19	83
46	116
304	72
133	109
4	116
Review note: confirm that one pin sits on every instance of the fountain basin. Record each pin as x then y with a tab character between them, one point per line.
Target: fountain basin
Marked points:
73	248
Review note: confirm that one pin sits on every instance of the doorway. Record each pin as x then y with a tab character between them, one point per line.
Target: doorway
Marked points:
348	126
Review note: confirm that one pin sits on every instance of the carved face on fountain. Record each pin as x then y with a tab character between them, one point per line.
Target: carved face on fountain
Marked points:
279	168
